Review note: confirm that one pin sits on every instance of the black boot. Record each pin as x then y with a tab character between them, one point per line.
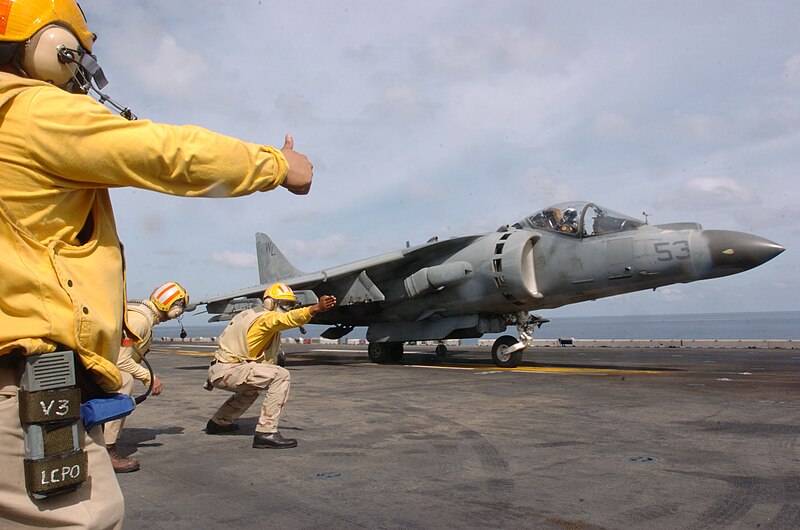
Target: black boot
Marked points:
273	440
215	428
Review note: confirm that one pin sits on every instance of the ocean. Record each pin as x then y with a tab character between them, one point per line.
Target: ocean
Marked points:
763	325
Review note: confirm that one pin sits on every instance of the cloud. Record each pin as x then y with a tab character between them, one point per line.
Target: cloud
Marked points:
153	224
503	49
670	294
305	253
332	247
701	192
706	128
792	71
423	190
611	124
169	70
294	108
401	104
545	189
235	260
721	189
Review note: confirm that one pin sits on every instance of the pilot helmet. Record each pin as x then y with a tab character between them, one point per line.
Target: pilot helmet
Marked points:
554	214
170	298
49	40
570	215
280	295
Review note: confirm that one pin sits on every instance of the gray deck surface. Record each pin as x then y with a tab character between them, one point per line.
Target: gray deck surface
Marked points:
574	439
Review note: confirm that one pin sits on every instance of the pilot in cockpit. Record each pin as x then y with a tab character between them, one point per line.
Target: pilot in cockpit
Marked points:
569	224
554	219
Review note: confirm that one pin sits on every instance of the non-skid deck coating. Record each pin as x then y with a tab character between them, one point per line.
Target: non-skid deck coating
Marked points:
575	438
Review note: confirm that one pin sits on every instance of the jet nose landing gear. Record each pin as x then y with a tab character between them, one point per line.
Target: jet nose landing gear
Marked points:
507	351
502	353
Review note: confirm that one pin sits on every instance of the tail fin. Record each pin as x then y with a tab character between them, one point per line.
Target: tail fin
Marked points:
272	264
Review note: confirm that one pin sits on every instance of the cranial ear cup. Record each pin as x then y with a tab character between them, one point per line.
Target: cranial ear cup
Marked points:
41	59
175	311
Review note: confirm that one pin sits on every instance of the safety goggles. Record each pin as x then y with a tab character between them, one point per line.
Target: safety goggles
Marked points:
288	305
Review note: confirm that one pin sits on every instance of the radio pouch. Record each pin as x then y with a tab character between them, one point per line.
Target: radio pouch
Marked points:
49	411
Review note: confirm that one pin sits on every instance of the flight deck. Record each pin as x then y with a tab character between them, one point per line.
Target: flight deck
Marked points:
572	438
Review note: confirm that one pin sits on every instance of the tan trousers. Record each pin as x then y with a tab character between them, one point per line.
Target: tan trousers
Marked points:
112	429
246	381
96	504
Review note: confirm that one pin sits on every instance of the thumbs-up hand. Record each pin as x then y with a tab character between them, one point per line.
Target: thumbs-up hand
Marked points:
301	171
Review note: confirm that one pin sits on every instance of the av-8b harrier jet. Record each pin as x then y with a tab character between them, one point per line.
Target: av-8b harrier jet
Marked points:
467	286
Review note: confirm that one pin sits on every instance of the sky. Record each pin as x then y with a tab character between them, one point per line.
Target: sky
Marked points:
451	118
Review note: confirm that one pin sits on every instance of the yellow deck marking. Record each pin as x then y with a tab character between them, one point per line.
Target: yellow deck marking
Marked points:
538	369
474	367
192	353
322	350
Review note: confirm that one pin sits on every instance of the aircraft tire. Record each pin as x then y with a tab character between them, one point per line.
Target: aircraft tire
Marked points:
385	352
396	352
499	355
441	351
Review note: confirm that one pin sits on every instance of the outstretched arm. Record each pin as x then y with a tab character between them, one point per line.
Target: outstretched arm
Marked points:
325	303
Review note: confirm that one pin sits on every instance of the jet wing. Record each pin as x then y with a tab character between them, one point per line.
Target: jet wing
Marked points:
353	279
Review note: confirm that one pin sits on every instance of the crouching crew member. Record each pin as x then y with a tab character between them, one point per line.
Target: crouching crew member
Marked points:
245	363
167	302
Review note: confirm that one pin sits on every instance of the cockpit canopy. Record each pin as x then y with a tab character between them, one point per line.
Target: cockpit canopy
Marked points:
579	219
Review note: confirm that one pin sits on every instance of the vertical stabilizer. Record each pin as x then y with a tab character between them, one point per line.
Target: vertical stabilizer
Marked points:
272	264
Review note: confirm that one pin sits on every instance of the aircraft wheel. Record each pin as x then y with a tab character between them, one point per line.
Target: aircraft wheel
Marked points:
281	361
385	352
500	354
396	352
441	351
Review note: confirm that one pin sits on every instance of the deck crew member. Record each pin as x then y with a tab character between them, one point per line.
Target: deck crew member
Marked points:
168	301
245	363
62	292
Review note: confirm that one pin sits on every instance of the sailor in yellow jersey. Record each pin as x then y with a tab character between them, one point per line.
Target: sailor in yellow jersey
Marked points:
62	281
245	363
167	301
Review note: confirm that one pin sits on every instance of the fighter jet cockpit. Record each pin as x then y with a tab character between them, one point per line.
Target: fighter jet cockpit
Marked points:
579	219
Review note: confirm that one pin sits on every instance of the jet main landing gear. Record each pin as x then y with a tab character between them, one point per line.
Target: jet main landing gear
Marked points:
385	352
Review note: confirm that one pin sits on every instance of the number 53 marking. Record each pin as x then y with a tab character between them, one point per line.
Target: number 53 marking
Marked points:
680	248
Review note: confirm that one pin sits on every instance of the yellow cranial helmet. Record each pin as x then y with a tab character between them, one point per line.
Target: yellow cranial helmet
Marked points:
165	296
280	291
22	19
281	297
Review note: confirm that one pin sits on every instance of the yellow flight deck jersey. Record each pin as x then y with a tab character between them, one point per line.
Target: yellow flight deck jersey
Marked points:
61	266
254	334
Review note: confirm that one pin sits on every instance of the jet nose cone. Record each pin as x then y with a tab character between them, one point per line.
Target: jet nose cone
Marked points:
733	252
